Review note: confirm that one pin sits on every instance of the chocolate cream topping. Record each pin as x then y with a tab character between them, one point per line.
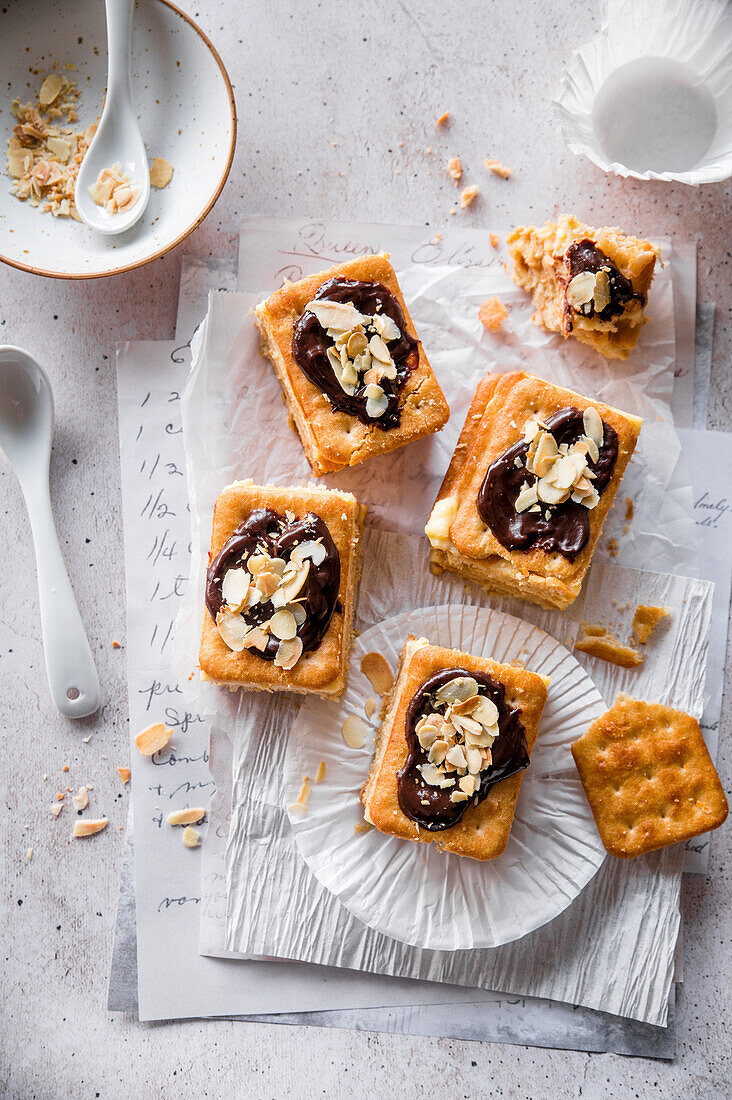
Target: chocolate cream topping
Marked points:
310	344
267	530
586	256
510	754
567	530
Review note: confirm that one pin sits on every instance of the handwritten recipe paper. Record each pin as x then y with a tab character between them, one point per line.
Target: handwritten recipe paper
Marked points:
174	980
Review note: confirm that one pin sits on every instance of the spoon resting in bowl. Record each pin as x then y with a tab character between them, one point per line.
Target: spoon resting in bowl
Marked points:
118	140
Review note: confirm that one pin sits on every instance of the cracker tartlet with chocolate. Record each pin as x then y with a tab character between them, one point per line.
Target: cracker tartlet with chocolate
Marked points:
455	740
591	284
280	589
531	481
354	375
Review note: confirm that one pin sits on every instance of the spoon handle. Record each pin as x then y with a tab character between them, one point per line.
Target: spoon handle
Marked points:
72	674
119	38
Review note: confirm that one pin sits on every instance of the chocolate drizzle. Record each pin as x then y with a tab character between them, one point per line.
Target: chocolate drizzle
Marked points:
310	345
268	531
567	530
586	256
510	754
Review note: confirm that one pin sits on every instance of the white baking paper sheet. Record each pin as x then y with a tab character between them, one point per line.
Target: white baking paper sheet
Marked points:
453	903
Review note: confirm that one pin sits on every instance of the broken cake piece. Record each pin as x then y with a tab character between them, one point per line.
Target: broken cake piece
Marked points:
588	283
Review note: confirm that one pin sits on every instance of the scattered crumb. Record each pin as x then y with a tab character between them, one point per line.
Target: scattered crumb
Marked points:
86	740
190	816
59	795
65	768
88	826
492	313
56	810
321	772
362	827
495	240
115	644
455	169
369	706
161	172
629	509
29	854
597	641
646	619
191	839
443	120
153	739
114	190
498	169
469	195
124	774
612	547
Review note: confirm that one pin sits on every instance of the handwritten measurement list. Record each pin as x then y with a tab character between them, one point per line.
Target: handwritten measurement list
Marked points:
157	556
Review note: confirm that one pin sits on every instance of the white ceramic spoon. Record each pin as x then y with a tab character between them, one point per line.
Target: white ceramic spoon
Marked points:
26	430
118	139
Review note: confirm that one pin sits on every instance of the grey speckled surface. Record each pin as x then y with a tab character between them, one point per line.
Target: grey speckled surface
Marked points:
368	77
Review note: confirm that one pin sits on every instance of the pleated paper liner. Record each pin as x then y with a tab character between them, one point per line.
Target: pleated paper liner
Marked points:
410	891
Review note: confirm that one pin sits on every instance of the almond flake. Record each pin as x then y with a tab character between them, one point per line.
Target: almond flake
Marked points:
88	826
161	172
581	289
288	653
354	732
340	316
282	626
80	799
314	551
50	89
191	839
186	817
593	425
153	739
376	670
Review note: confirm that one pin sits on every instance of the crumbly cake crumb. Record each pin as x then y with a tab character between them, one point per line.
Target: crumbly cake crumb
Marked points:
597	641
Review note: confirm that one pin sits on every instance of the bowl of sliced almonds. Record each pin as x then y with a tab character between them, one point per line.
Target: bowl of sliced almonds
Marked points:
55	73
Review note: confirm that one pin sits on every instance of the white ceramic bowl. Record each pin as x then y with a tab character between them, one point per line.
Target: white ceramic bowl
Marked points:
187	113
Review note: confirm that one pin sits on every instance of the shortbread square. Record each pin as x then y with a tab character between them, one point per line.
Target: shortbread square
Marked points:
280	588
491	726
588	283
648	777
355	378
494	521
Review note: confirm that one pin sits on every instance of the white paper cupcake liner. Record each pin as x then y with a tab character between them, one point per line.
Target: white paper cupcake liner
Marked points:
651	95
410	891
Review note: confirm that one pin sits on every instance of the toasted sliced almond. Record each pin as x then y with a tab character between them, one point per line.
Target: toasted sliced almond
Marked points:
438	751
191	839
235	587
462	687
485	711
458	796
125	774
282	625
161	172
387	328
601	297
376	670
88	826
581	289
186	817
526	498
379	350
369	706
357	344
288	653
593	425
340	316
293	583
376	401
50	88
314	551
354	732
549	493
153	739
80	799
545	455
232	628
431	775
